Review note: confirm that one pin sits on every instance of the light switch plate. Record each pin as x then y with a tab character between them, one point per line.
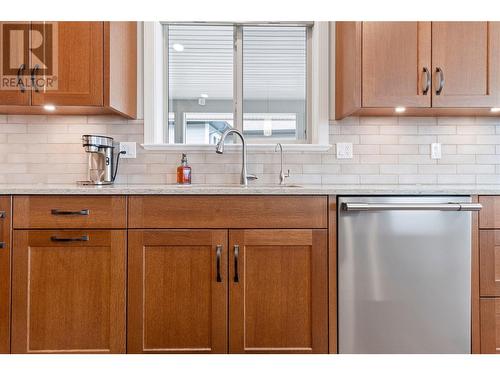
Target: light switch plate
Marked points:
435	150
130	149
344	150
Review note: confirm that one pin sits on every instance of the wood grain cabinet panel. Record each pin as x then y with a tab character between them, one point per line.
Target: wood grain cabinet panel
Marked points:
5	251
228	212
489	216
177	291
69	291
78	63
403	81
490	262
14	39
278	291
65	211
468	53
490	325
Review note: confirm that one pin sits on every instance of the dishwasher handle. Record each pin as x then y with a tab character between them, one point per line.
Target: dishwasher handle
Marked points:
346	206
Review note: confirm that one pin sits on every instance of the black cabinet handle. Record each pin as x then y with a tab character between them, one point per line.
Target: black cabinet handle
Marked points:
427	86
2	245
20	82
440	87
236	255
83	212
218	253
3	214
69	239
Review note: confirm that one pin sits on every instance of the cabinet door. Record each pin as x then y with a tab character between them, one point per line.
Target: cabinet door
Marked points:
489	258
466	64
177	291
278	291
14	54
490	325
396	63
5	219
69	291
76	50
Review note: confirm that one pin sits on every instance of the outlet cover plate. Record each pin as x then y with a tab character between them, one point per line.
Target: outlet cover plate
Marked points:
436	150
130	148
344	150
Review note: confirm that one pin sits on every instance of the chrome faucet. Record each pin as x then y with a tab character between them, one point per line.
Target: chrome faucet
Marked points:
282	174
245	177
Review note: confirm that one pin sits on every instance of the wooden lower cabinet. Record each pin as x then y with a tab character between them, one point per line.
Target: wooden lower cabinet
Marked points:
5	250
69	291
177	291
278	301
490	325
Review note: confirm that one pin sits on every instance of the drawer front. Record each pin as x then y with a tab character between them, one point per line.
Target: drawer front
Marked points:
38	212
490	325
5	251
228	212
489	216
489	259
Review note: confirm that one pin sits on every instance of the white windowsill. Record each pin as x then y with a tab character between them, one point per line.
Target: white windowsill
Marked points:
237	147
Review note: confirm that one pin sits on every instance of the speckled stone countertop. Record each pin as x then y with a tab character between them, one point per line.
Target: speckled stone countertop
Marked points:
206	189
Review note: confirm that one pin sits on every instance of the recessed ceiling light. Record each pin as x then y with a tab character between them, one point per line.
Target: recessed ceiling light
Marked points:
178	47
203	95
49	107
495	109
399	109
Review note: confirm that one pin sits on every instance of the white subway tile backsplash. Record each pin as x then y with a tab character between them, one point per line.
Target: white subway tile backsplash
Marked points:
387	150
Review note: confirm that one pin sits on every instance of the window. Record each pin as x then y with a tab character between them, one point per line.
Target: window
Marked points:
209	69
268	80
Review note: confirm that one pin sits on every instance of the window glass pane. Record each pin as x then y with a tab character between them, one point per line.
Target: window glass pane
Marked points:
274	82
200	82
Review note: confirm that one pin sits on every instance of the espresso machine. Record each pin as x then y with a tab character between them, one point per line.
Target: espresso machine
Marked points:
101	165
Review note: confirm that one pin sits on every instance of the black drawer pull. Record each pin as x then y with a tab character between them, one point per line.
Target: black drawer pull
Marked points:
218	253
236	278
2	245
69	239
84	212
2	214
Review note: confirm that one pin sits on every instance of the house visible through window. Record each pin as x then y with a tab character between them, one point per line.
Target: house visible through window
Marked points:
251	77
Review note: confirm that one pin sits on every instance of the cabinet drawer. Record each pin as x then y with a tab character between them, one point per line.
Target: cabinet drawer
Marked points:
489	216
228	212
490	325
489	259
69	212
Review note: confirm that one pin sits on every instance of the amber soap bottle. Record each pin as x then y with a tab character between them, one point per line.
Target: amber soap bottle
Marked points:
184	171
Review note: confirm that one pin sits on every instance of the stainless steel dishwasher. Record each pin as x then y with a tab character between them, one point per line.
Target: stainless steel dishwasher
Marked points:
404	274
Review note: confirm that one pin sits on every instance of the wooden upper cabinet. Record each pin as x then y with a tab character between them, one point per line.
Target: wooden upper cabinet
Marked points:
79	67
431	68
5	251
490	325
73	72
396	64
14	39
466	58
278	291
177	291
69	291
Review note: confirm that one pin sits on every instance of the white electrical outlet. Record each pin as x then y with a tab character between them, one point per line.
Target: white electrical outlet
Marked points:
130	150
344	150
436	150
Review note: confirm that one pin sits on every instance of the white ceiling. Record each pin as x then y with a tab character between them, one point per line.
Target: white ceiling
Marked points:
274	62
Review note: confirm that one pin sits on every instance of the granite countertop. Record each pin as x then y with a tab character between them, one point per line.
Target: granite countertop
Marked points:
211	189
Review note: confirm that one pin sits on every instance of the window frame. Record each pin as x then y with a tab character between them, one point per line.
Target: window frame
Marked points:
155	54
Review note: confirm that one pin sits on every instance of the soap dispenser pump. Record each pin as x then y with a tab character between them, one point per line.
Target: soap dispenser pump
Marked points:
184	172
